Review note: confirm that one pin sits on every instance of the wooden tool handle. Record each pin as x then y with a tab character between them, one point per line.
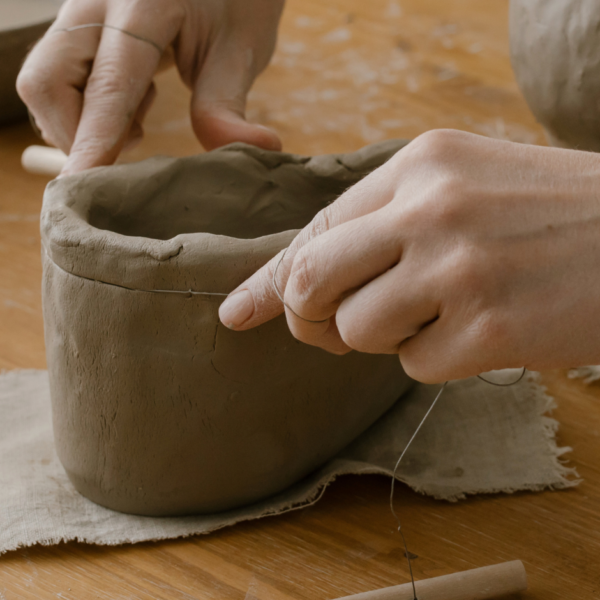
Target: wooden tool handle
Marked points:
477	584
43	160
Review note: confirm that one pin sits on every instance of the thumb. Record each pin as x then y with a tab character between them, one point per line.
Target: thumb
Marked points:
219	103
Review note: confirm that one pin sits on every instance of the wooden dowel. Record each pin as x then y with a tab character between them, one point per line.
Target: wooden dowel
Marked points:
477	584
43	160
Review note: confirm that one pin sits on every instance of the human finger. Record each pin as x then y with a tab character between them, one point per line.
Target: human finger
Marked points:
434	354
392	308
466	343
53	77
242	303
332	267
136	131
258	299
219	102
119	81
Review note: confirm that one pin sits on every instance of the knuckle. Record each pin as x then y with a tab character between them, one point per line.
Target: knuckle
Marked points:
445	205
418	365
470	273
322	222
426	362
448	195
303	281
491	333
356	338
356	333
25	85
449	201
33	85
439	146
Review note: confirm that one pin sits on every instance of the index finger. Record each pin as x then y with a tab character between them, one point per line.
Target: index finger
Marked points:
55	71
256	300
121	76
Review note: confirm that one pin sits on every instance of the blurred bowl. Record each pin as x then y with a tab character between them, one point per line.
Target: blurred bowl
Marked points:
22	23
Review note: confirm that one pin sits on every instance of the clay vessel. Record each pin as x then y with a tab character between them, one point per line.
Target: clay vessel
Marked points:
159	409
555	53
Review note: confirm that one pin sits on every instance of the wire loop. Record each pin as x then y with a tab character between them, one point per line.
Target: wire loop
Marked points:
279	295
106	26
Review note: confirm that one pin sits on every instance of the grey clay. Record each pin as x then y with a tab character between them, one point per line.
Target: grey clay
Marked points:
159	409
555	53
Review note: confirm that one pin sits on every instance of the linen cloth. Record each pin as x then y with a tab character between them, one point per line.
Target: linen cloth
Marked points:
478	439
589	373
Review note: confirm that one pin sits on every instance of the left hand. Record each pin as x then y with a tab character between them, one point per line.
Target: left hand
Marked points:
89	88
461	254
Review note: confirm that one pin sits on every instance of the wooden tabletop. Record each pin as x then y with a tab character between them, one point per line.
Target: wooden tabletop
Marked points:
346	73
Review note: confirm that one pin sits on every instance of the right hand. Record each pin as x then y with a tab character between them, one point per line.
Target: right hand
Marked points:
90	89
461	255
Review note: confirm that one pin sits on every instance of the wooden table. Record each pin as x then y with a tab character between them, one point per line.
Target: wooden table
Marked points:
345	73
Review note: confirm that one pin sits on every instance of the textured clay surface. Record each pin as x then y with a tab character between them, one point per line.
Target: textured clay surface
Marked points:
555	53
158	409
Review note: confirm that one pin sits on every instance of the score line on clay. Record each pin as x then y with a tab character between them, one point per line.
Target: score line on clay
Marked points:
130	289
43	160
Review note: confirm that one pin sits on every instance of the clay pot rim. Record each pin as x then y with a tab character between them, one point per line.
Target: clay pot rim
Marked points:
203	262
144	263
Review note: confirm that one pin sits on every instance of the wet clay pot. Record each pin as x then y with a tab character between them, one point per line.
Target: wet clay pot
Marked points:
158	408
555	53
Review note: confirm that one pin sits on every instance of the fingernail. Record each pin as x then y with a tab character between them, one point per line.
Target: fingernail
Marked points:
236	309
